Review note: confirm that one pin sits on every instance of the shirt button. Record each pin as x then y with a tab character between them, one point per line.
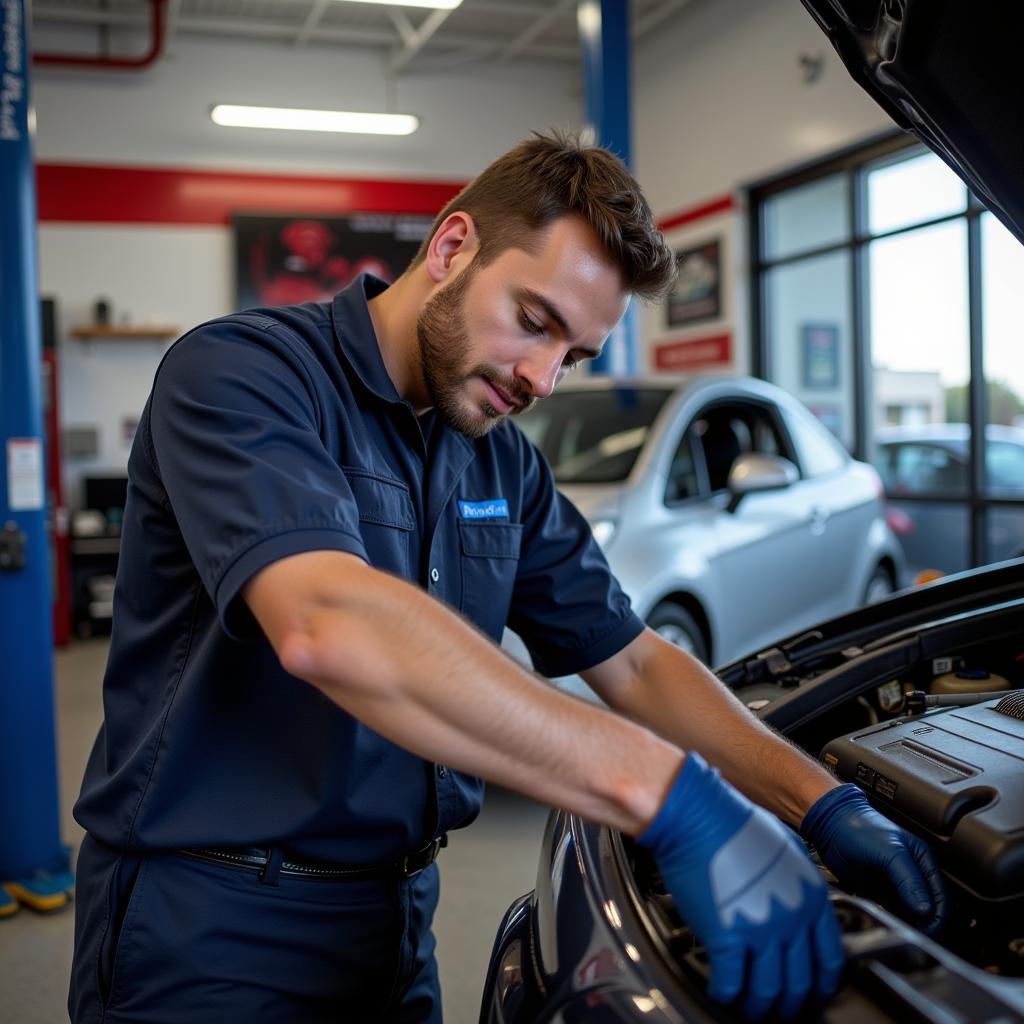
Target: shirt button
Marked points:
434	575
442	771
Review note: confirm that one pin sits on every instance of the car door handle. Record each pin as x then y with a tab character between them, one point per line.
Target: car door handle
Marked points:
818	520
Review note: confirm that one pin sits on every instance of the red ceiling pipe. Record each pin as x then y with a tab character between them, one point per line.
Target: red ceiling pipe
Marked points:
155	52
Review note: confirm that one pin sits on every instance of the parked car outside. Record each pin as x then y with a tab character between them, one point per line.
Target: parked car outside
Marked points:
600	940
728	513
933	461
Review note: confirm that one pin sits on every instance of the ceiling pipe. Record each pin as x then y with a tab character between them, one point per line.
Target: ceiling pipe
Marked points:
148	59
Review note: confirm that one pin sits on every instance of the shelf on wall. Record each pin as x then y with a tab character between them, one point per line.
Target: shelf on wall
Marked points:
90	332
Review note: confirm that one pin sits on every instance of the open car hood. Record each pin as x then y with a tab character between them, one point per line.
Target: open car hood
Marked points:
949	72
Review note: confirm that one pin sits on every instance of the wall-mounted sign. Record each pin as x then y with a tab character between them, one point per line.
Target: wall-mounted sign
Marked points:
697	294
694	354
284	259
819	357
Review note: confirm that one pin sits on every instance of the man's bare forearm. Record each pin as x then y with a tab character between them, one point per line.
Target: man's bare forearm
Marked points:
414	671
656	684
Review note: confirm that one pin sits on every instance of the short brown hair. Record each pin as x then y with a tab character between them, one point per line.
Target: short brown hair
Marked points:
554	175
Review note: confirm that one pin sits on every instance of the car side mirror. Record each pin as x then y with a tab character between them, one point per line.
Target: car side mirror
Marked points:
757	471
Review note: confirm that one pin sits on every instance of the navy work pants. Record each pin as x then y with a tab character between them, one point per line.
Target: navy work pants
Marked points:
164	939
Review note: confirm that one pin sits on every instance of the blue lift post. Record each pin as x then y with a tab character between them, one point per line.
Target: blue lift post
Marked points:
33	862
604	27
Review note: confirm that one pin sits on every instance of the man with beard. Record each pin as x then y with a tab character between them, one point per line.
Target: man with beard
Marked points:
331	518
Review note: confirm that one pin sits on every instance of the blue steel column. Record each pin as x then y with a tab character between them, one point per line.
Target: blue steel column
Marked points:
605	38
30	847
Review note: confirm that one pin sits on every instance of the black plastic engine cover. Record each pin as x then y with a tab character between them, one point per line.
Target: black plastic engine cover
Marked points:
956	777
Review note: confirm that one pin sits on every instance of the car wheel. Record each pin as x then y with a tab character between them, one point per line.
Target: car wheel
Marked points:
879	587
675	624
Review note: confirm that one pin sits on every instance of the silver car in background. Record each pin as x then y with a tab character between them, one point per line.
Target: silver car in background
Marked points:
728	513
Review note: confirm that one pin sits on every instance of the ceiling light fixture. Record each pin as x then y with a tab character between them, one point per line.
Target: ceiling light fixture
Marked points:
439	5
292	119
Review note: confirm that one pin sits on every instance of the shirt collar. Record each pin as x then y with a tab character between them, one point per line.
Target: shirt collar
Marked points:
357	340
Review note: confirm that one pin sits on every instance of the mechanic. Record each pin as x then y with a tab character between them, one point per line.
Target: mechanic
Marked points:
330	520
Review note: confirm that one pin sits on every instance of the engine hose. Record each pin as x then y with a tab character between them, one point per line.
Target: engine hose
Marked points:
918	701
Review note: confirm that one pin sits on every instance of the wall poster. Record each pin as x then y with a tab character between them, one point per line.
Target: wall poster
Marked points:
697	291
819	357
281	259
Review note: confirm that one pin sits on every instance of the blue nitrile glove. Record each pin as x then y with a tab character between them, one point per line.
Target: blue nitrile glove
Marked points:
745	885
872	856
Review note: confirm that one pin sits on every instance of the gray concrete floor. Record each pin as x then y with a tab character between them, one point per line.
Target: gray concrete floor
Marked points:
483	870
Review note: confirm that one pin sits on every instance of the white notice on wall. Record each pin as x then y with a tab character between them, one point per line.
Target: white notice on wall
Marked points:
25	474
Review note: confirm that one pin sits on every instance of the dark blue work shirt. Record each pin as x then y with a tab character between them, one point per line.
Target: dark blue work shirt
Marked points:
278	431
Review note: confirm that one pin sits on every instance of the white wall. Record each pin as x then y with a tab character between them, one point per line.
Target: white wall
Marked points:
175	276
161	116
721	102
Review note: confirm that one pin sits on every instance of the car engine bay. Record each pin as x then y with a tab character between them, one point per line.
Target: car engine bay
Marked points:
955	778
954	775
929	723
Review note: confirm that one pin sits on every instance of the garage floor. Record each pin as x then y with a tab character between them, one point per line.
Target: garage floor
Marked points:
483	870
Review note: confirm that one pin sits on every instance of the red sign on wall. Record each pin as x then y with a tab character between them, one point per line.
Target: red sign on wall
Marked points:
694	353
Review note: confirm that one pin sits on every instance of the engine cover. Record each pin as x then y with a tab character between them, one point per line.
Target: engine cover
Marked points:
956	777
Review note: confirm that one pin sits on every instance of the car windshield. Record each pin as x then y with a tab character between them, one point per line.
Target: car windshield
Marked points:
593	437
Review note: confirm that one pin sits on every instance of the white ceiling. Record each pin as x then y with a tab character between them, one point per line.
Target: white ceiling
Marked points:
409	38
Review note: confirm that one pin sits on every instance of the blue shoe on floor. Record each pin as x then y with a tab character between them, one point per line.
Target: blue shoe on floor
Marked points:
43	891
8	904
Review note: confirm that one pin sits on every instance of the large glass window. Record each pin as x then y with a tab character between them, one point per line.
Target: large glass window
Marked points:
918	327
807	325
905	191
807	217
879	282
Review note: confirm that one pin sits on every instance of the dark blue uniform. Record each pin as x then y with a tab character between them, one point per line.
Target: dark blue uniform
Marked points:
270	433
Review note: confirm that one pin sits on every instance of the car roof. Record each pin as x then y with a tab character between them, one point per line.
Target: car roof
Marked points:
712	383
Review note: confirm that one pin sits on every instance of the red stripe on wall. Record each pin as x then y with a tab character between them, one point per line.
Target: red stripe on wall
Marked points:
695	213
140	195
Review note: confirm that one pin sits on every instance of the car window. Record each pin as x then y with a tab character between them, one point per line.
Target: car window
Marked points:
1004	462
725	431
818	451
593	436
683	476
913	468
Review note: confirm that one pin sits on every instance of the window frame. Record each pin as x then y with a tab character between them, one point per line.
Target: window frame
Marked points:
855	161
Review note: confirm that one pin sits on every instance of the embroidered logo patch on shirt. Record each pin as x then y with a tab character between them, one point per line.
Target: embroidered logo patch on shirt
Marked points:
493	508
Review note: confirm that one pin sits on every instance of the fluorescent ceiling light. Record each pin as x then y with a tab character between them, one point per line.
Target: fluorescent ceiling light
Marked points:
440	5
314	120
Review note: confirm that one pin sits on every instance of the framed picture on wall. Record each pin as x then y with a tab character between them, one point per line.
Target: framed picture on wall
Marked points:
281	259
697	294
819	357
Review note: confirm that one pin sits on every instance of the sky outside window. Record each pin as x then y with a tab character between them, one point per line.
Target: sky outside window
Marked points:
911	192
1002	260
919	302
918	280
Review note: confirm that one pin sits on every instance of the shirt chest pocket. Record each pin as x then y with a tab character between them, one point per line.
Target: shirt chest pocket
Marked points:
490	559
386	520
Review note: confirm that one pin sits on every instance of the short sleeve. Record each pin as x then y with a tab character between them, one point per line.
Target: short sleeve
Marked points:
234	437
567	607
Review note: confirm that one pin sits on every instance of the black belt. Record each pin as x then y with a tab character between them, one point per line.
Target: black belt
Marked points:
260	859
